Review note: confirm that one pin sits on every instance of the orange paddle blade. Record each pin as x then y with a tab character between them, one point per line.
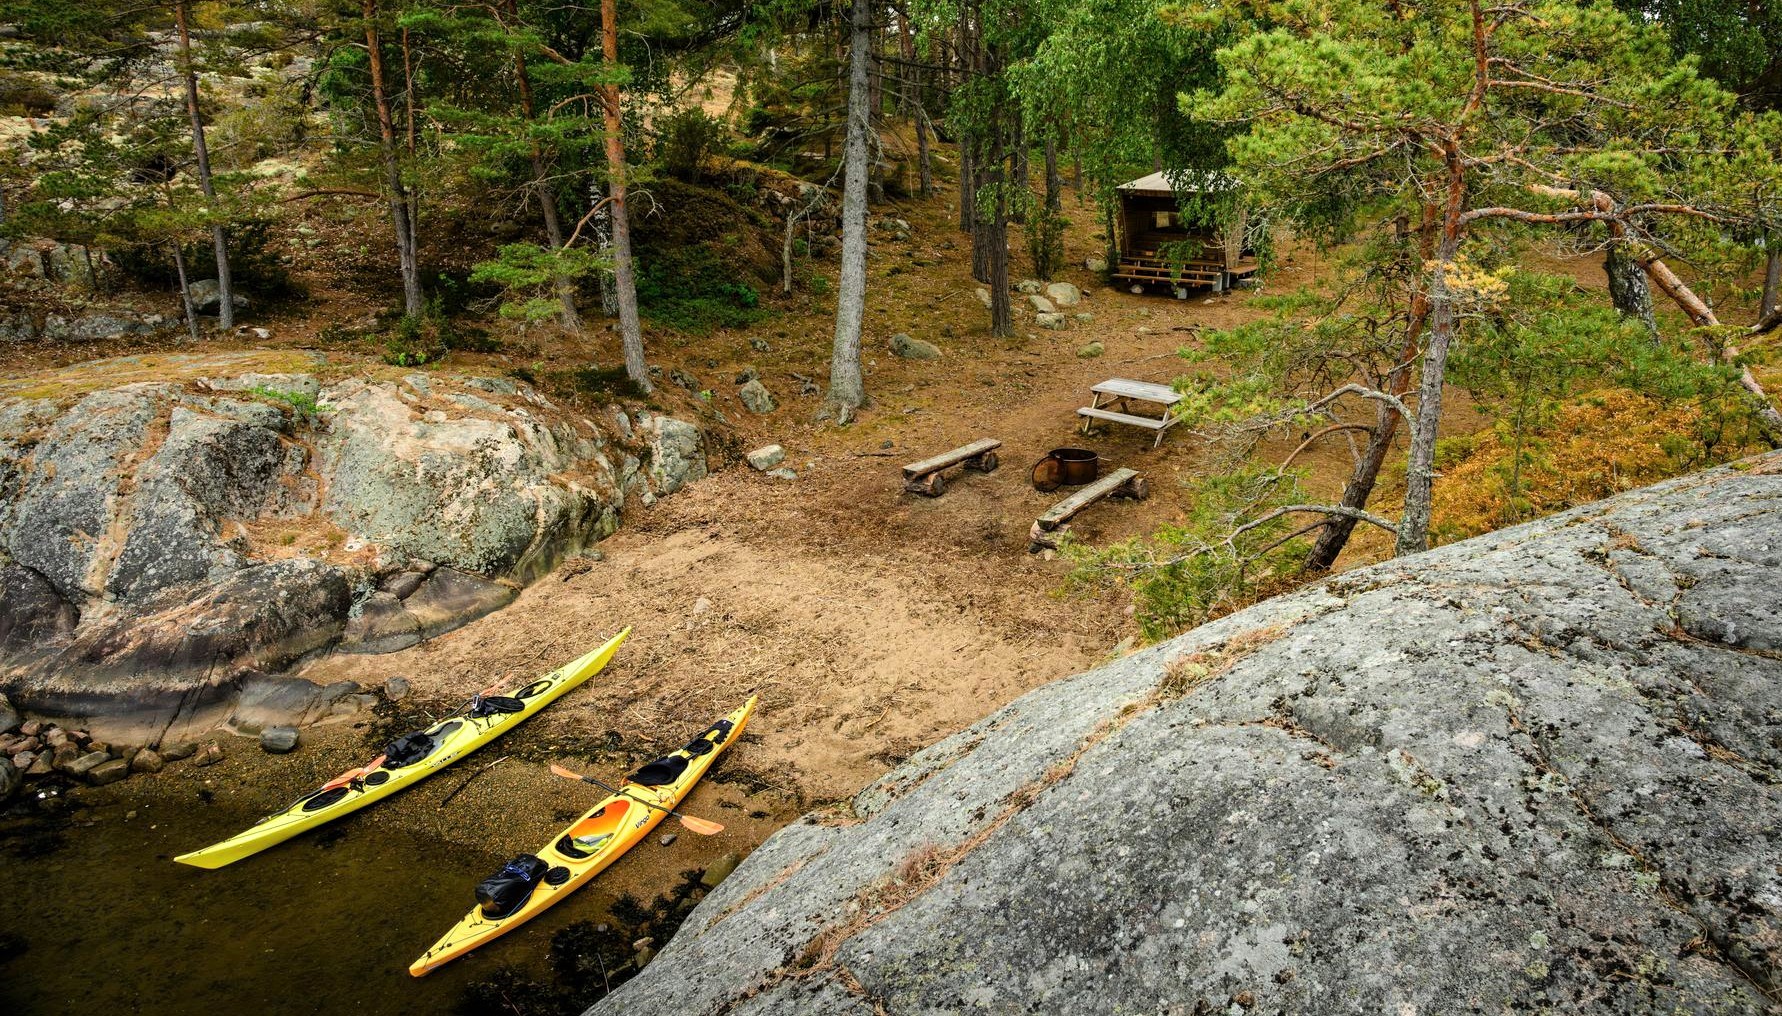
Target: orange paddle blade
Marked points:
566	774
703	827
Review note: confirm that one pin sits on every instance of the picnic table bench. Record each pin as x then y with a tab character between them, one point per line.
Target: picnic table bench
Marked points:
1122	482
1119	392
930	475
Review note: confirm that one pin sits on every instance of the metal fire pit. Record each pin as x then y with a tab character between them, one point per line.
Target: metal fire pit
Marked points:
1066	467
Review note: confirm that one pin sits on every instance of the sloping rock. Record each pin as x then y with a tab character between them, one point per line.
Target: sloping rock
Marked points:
159	539
902	345
1533	771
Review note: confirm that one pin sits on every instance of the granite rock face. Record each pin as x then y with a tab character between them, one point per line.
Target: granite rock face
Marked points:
1534	771
159	540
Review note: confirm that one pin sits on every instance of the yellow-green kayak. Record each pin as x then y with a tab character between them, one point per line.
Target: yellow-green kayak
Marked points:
597	839
408	760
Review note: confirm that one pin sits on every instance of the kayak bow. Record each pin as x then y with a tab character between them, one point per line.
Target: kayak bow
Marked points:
446	742
597	839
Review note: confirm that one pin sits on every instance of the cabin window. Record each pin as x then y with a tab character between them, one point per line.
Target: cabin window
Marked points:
1163	220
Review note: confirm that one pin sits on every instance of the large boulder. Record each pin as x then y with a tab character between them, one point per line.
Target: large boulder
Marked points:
158	540
207	295
1533	771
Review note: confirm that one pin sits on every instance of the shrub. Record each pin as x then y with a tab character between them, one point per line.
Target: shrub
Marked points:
683	141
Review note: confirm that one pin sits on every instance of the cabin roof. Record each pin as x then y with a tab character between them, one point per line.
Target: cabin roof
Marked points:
1187	181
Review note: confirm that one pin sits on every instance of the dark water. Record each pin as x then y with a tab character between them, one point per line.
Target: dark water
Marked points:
100	920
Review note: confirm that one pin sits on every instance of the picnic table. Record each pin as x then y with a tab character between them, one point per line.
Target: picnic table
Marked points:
1121	392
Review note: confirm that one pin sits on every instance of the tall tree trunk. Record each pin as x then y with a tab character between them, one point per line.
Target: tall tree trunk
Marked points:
924	160
624	284
846	389
541	188
1022	176
185	293
412	304
1628	289
1413	527
218	240
1772	281
968	188
983	169
1054	185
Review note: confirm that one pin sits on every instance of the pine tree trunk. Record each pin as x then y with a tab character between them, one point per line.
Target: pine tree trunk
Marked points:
1413	527
1772	281
1628	290
185	293
218	239
968	191
846	389
924	161
541	188
1054	185
1018	213
630	330
412	303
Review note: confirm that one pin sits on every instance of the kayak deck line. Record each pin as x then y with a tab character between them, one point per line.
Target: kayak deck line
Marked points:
610	828
448	740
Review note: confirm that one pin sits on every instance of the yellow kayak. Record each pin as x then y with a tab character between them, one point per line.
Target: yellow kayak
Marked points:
408	759
590	844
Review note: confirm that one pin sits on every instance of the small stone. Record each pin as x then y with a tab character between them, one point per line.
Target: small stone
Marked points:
396	689
1028	287
668	839
887	443
1094	264
767	457
24	759
644	956
756	398
99	746
984	297
1055	322
641	944
55	737
1247	999
1064	294
1041	305
209	755
702	606
178	750
278	740
913	349
43	765
782	473
85	764
26	744
760	346
79	736
1084	316
108	772
148	760
262	333
402	584
719	870
746	375
31	728
64	754
1091	350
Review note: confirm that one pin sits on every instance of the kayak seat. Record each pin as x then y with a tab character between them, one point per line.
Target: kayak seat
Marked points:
534	688
666	769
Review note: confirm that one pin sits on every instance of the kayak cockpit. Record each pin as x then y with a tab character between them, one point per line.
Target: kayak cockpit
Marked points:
590	835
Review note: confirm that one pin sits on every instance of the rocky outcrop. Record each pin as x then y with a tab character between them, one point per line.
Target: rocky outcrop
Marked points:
163	543
1534	771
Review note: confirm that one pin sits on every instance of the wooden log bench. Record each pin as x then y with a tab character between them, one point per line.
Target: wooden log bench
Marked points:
1122	482
931	475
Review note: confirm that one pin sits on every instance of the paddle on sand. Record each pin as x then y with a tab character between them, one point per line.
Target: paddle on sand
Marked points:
704	827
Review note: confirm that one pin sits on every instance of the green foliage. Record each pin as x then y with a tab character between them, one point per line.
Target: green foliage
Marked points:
599	385
528	275
683	141
303	402
693	290
1222	553
1045	240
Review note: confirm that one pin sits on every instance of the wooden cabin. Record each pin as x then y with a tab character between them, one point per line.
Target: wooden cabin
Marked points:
1151	220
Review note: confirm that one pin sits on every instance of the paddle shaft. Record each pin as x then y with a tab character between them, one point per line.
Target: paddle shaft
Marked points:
704	827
